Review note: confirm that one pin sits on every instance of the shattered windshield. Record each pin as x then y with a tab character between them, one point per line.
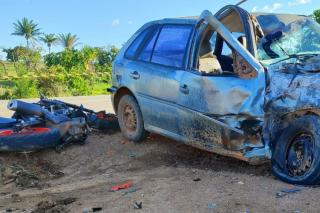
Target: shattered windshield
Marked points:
301	36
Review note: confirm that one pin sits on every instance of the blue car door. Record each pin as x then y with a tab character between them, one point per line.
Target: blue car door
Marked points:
156	73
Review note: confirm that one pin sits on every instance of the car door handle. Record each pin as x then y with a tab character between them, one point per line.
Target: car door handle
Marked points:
135	75
184	89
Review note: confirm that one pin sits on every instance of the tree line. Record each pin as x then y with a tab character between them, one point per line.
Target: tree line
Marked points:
30	31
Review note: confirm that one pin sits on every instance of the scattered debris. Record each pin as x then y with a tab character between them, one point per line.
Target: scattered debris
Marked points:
16	198
28	173
132	154
197	179
53	206
9	210
66	201
280	194
43	206
86	210
96	209
129	191
124	142
240	183
285	191
212	205
19	176
126	185
51	170
137	205
291	190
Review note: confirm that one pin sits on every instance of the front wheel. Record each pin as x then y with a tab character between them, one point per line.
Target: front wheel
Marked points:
296	156
130	119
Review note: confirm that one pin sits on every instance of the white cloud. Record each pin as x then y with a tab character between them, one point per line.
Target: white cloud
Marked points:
115	22
269	8
276	6
254	9
298	2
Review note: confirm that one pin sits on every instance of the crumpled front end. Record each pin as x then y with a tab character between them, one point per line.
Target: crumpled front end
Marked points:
292	91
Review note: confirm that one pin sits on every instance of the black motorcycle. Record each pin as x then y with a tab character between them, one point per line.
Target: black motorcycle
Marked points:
50	124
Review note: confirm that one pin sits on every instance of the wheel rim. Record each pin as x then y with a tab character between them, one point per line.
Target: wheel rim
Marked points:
129	118
300	154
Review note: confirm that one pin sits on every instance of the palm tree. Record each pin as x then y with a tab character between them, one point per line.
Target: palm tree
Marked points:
68	41
49	40
26	28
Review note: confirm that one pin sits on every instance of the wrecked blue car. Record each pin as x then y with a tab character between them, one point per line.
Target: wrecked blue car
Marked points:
237	84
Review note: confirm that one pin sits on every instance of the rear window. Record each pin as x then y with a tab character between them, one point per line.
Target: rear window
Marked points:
171	45
134	47
146	52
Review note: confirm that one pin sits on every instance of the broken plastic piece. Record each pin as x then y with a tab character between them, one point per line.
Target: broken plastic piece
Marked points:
126	185
291	190
197	179
137	205
212	205
286	191
96	209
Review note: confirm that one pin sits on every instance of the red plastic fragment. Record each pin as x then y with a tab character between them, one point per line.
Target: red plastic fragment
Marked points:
26	131
126	185
6	132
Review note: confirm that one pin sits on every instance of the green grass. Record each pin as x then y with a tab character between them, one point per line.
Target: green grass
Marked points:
100	89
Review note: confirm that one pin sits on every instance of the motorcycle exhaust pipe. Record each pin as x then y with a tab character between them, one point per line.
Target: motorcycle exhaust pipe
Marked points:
25	108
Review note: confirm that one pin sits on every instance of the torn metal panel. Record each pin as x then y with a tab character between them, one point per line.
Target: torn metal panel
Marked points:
292	91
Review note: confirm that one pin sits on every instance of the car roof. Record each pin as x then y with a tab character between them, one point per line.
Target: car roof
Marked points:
193	19
267	21
181	20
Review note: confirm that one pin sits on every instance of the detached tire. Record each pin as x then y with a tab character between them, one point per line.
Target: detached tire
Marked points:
296	156
130	119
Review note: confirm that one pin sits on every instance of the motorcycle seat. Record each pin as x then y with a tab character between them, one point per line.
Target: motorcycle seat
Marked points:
7	122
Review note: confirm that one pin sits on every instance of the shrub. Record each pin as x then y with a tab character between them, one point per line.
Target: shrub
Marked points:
52	82
25	88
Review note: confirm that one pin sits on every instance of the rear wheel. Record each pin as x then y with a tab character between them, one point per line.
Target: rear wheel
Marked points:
130	119
296	158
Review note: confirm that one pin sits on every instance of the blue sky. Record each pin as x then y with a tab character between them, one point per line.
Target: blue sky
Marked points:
101	23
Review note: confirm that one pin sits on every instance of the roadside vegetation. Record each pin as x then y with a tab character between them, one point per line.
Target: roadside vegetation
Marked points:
27	72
